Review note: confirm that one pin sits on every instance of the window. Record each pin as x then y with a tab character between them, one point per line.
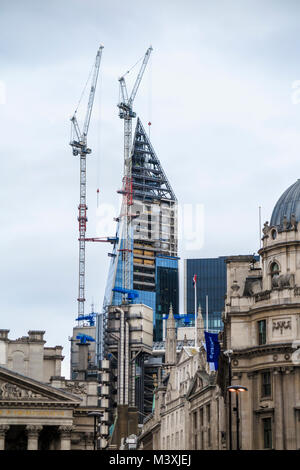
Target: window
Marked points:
195	420
201	417
267	429
274	269
208	437
262	330
208	425
266	384
208	413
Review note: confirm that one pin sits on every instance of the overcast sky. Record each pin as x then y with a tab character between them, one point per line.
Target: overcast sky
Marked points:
225	117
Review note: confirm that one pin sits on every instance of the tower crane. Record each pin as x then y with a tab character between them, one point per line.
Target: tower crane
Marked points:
126	112
79	146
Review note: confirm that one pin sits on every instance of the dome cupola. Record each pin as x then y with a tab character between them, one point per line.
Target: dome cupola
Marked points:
286	212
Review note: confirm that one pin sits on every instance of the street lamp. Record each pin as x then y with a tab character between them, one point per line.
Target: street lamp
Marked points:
228	353
96	415
237	389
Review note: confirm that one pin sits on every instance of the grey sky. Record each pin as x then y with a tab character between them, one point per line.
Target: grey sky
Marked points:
218	91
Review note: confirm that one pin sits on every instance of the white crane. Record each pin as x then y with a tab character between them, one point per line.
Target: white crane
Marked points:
126	113
79	146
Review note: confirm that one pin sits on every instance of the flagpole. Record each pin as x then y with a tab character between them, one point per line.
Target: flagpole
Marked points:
196	339
207	313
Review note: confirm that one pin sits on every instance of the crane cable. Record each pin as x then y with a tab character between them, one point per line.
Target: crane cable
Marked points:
150	94
79	102
99	138
128	71
84	89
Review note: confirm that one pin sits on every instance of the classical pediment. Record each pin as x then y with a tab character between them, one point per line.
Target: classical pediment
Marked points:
184	355
16	387
200	381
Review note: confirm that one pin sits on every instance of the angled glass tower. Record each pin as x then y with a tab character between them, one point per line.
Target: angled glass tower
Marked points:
154	261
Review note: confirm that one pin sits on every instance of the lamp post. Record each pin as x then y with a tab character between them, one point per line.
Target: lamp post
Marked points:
228	353
236	389
96	415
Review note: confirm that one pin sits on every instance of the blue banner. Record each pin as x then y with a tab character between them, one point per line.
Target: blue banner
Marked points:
212	348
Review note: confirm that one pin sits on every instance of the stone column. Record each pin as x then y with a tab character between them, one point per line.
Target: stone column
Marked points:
33	436
65	437
3	430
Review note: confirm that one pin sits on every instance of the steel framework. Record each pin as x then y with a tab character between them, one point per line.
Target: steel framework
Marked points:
126	113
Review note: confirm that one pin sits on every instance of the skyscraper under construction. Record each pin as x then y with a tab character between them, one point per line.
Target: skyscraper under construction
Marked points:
154	261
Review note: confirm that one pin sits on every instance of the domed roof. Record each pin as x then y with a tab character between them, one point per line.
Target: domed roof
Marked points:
287	204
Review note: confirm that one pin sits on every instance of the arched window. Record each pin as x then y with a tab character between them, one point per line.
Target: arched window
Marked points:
274	269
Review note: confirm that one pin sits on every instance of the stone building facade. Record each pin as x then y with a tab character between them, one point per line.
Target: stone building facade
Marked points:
189	411
39	409
262	328
262	338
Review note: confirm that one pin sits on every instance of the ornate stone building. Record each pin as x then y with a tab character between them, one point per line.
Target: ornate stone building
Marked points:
39	409
262	328
188	412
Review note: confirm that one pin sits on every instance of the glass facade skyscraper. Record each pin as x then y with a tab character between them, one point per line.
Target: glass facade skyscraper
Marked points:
211	282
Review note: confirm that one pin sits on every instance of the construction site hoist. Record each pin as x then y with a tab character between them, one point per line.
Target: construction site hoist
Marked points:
126	113
79	146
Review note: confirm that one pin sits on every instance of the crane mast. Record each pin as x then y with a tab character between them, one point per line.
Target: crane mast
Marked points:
126	113
79	146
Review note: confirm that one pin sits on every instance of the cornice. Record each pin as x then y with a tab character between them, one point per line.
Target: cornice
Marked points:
263	350
264	308
28	404
264	410
282	244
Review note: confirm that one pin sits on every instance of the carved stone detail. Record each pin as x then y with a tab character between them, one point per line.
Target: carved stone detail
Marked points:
281	325
235	288
265	295
293	222
77	389
283	280
11	391
3	429
266	229
296	290
33	430
65	431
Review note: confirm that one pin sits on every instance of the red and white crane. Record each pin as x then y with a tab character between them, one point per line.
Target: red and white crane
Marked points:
79	146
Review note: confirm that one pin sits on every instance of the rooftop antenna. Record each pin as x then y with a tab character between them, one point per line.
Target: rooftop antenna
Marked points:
259	222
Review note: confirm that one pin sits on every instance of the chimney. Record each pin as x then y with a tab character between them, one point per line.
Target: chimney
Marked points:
36	336
4	335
